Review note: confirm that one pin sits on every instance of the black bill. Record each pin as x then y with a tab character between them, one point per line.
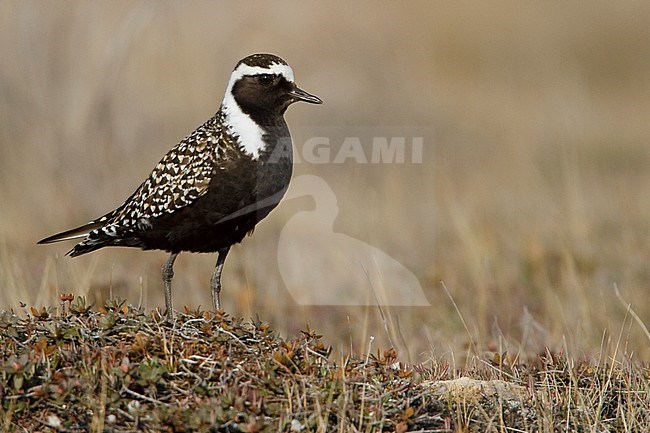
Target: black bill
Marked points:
300	95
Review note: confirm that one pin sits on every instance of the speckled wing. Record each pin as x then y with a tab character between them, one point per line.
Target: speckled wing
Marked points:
179	179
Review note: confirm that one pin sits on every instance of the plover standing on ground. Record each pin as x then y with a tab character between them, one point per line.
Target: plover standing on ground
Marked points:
213	187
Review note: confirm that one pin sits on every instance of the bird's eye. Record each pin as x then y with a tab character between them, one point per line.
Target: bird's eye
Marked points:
265	79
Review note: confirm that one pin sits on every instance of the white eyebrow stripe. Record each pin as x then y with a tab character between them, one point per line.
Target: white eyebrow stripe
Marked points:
275	68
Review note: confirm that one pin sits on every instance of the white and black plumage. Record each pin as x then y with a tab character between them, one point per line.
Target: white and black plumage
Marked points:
212	188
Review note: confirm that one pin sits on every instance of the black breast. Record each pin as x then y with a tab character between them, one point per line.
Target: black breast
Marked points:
242	191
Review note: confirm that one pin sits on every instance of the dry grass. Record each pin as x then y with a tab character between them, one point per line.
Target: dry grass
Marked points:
531	203
121	370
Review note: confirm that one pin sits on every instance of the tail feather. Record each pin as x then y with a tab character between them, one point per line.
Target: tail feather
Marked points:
75	233
87	247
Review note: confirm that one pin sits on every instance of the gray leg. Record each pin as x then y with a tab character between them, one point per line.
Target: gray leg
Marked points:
215	281
167	275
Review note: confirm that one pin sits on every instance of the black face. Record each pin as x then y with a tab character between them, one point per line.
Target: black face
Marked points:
263	95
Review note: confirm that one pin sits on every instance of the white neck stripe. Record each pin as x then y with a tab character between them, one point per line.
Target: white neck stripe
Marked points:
248	133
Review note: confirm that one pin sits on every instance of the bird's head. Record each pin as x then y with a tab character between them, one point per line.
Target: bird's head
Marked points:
263	85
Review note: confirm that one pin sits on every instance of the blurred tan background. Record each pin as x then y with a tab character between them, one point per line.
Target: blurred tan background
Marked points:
530	206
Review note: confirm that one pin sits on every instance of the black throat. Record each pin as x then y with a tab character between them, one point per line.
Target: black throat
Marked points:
265	106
